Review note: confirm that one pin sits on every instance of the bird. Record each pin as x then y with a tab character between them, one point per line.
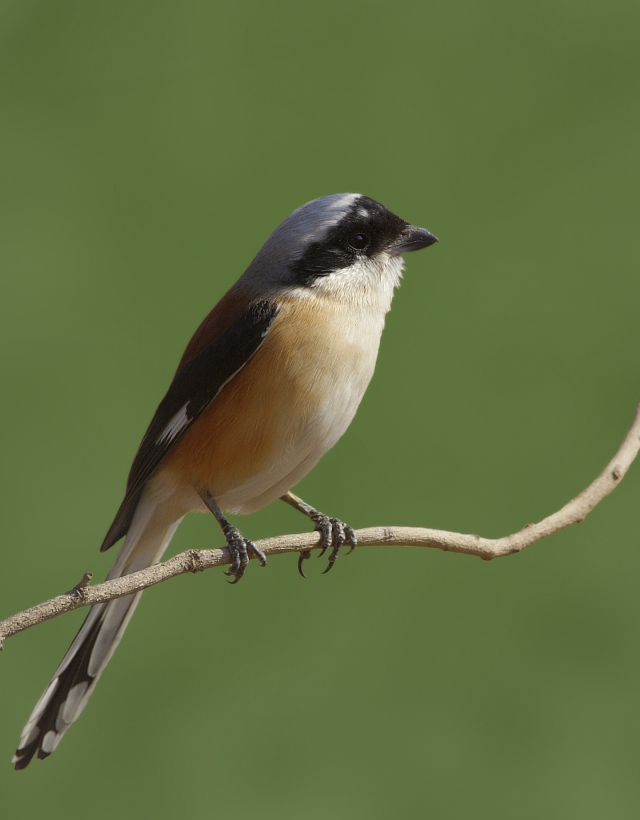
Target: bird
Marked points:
268	383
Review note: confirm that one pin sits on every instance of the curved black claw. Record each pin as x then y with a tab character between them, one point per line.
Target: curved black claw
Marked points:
302	557
334	533
240	547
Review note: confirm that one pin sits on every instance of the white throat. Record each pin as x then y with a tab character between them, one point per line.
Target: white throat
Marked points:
367	286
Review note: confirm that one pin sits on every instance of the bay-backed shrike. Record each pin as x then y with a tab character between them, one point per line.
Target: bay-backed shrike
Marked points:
269	382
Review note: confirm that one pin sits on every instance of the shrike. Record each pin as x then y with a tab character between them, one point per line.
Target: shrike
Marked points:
269	382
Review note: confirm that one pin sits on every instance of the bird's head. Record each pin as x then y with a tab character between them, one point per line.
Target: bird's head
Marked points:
345	245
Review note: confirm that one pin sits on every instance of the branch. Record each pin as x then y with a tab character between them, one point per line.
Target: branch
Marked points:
198	560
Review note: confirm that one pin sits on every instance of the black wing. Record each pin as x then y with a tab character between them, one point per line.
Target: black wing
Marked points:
193	388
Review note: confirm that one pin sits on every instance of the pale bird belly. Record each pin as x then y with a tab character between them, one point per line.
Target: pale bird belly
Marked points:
279	415
304	437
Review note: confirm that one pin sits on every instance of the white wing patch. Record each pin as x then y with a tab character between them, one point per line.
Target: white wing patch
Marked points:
175	426
180	421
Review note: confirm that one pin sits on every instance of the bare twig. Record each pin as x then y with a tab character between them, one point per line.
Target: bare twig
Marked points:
197	560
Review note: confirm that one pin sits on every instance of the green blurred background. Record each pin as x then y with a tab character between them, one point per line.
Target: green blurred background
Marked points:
148	149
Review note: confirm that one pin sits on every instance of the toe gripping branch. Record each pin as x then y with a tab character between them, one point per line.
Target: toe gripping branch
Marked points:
239	546
333	532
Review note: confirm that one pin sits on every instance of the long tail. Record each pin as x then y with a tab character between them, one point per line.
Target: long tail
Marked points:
70	688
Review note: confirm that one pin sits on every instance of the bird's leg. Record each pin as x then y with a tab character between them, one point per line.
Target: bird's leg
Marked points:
238	545
333	532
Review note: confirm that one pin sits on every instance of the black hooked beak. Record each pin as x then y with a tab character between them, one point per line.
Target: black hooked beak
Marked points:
412	239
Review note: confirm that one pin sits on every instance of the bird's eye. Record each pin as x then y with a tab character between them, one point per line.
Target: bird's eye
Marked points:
359	241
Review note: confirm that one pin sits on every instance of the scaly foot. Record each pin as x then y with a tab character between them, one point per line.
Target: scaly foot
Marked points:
334	533
240	547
